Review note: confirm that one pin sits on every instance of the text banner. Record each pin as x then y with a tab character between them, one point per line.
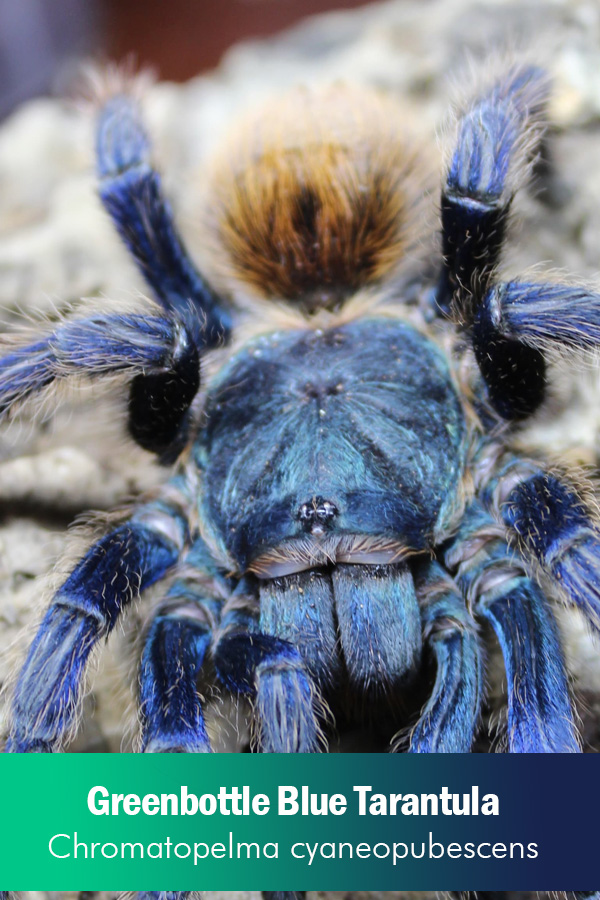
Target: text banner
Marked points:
320	822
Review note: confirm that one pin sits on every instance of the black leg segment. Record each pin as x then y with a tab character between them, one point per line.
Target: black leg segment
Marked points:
498	137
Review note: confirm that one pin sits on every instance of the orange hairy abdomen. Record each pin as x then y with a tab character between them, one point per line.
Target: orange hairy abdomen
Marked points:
317	196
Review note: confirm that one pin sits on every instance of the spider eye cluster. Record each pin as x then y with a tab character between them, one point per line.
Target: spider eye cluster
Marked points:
317	515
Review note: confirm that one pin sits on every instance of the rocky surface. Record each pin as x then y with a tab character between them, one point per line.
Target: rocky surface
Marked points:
57	247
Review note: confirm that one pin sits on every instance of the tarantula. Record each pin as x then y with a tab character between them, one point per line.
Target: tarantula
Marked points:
346	499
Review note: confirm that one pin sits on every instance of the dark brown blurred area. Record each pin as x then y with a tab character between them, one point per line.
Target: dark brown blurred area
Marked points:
184	37
41	41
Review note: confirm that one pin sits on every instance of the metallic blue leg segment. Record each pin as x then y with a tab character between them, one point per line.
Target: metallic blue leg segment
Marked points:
515	323
174	653
172	720
285	702
85	610
97	346
163	895
131	192
499	138
299	609
449	719
540	717
490	135
495	139
272	671
545	315
557	527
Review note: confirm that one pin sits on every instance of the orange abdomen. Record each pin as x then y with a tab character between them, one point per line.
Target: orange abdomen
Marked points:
318	196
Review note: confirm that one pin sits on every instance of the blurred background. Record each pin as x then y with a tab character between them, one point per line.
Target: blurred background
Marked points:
43	41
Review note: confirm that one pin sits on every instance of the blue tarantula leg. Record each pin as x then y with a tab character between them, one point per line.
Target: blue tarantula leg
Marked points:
479	895
540	717
379	624
131	192
174	652
557	527
163	895
544	315
515	323
171	710
299	608
85	610
450	717
273	673
283	895
498	136
97	346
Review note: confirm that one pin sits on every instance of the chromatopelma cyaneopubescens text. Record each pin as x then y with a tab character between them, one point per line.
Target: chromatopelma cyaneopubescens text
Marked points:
347	501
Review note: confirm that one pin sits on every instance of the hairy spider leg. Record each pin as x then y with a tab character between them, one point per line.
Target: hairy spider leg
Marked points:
97	346
515	323
84	610
271	670
479	895
131	192
503	895
449	719
175	648
543	315
273	673
283	895
163	895
556	527
182	895
498	137
299	608
532	317
174	653
130	189
495	584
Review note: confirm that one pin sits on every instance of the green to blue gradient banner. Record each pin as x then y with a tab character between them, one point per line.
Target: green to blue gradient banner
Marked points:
337	822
